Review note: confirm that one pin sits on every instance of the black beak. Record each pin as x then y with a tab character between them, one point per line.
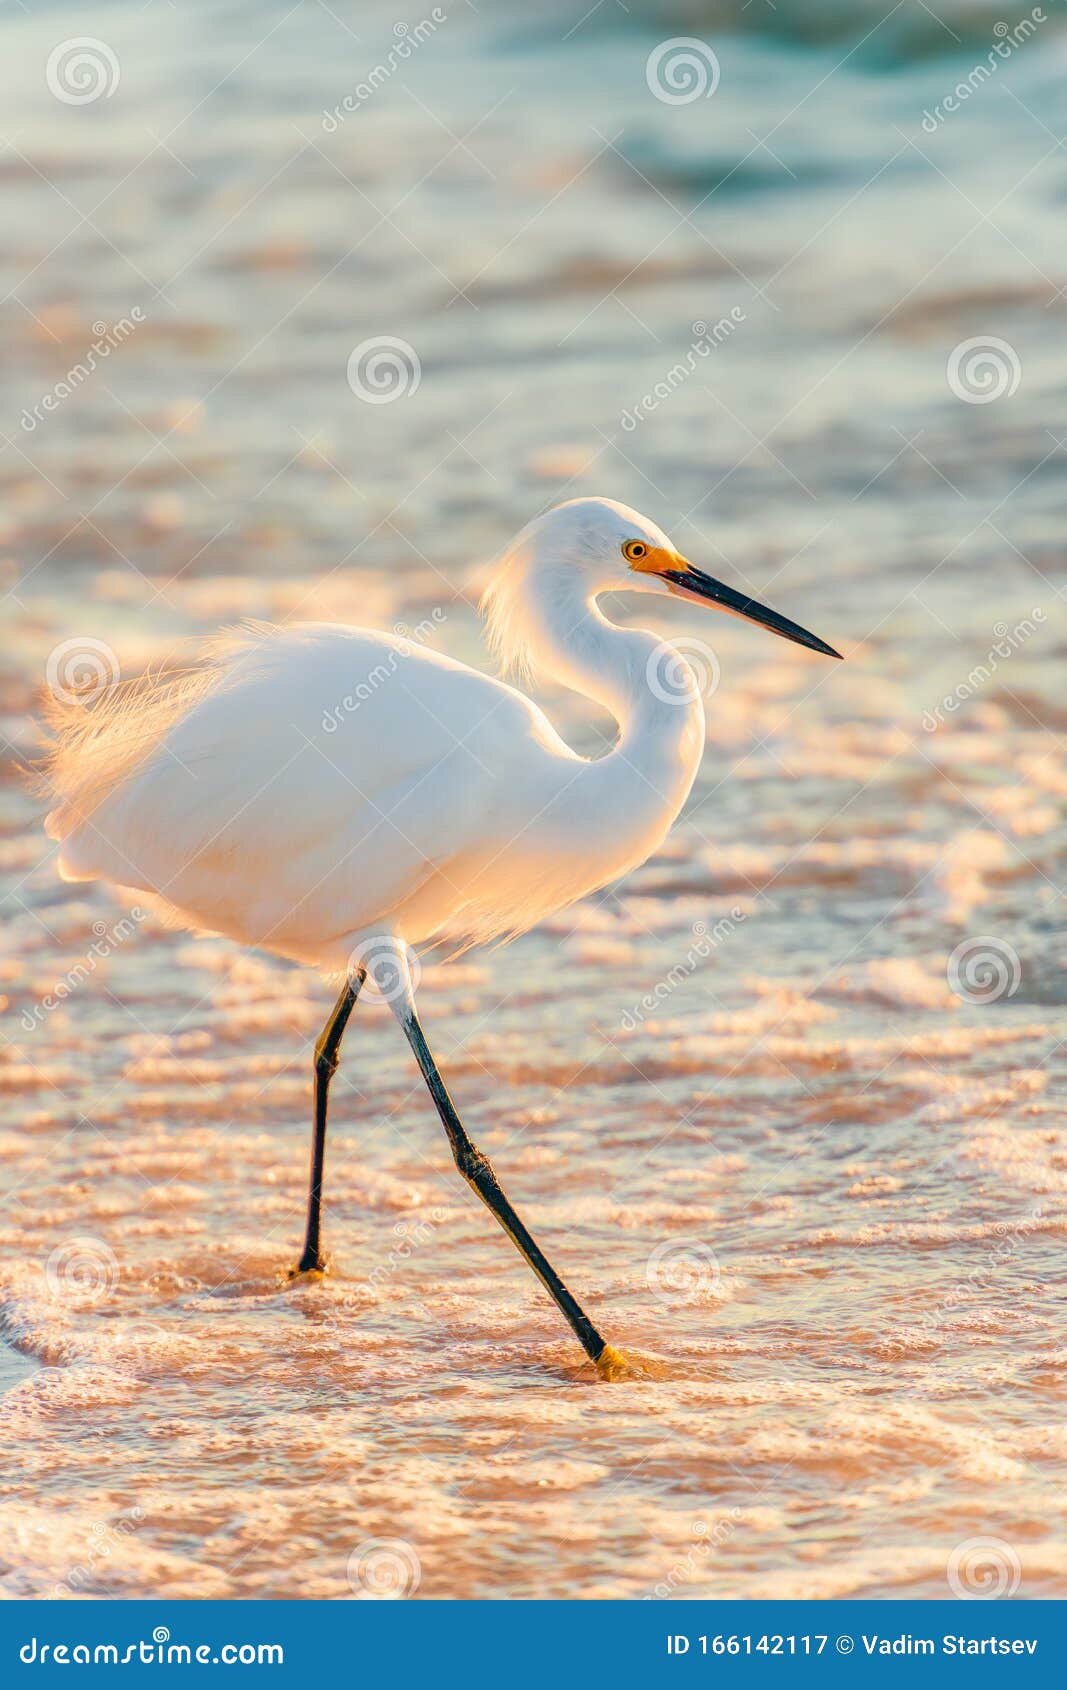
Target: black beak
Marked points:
693	583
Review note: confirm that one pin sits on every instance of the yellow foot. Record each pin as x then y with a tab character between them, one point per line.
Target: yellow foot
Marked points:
317	1271
615	1365
612	1364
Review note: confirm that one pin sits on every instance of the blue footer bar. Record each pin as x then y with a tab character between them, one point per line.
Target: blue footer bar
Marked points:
511	1645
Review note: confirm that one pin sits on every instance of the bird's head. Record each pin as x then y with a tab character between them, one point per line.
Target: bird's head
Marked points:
622	551
577	550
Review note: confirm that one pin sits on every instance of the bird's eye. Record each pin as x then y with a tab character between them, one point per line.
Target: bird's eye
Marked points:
634	550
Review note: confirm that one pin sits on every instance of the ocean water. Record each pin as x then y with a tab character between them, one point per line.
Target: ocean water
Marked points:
786	1106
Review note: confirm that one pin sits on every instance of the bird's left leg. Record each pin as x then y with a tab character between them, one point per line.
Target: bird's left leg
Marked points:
394	981
326	1057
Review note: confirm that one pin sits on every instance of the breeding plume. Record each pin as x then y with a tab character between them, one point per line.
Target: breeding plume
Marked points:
337	795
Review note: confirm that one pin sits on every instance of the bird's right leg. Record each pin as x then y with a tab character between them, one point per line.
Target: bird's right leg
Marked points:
394	981
326	1059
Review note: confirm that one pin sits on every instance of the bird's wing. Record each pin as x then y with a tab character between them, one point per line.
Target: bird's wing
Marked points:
321	780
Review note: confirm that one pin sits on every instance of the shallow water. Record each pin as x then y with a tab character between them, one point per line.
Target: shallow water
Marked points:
783	1135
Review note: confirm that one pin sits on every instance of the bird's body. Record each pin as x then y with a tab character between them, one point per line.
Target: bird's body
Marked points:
327	784
320	790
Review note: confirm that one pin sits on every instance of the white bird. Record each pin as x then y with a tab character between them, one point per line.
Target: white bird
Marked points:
336	795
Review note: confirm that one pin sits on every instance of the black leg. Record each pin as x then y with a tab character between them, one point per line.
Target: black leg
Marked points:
325	1068
478	1172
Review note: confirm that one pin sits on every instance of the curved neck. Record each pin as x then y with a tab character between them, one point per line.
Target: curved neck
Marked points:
645	684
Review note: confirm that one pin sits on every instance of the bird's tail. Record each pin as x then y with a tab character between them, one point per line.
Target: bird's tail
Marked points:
97	737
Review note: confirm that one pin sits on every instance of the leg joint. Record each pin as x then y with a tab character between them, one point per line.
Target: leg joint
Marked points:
325	1062
472	1164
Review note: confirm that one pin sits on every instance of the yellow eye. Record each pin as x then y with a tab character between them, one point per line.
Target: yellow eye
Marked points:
634	550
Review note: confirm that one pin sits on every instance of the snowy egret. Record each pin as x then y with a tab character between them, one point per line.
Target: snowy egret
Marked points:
336	795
